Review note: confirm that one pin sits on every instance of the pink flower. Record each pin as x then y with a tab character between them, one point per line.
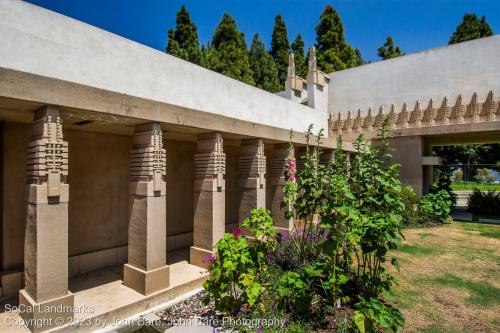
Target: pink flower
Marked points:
292	169
237	233
212	258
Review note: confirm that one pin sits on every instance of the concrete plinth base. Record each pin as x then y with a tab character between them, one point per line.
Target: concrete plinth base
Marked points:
43	316
146	282
199	257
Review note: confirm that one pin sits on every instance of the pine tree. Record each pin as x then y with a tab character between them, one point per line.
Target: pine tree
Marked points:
183	41
265	72
298	53
389	50
471	28
334	53
280	46
228	53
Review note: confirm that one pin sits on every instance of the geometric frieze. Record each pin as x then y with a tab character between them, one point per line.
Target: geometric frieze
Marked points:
445	114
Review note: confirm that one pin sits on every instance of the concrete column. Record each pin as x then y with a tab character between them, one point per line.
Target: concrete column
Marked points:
278	180
252	173
146	270
209	197
46	238
408	152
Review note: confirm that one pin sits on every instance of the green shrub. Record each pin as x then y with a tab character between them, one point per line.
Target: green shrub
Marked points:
373	313
434	207
444	184
338	261
410	200
484	203
233	281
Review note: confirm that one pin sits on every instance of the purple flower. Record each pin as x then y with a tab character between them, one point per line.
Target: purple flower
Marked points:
237	233
204	260
259	330
284	235
212	258
239	313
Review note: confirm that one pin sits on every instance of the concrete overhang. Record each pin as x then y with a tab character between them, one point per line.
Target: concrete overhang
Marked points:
47	58
432	160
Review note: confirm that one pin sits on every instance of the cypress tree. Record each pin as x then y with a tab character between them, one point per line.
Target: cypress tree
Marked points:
298	53
183	41
280	46
265	72
228	53
471	28
389	50
334	53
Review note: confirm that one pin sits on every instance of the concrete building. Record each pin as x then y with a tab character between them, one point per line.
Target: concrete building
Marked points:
120	173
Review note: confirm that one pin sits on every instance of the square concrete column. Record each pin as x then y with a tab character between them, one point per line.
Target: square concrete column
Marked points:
278	180
252	173
46	238
209	197
146	270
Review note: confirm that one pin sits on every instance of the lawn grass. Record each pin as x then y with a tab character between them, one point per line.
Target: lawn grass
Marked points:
449	278
471	186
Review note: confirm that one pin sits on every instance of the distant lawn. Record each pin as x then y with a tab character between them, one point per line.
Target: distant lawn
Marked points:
471	186
449	279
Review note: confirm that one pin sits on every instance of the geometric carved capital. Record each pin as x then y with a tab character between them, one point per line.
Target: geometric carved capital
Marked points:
47	160
252	161
148	166
210	160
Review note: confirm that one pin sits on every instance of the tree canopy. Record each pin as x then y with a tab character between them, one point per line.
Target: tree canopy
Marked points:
265	72
471	28
334	53
183	41
389	49
280	46
228	52
298	53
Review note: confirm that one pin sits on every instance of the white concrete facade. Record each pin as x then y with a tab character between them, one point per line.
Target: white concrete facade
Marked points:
45	43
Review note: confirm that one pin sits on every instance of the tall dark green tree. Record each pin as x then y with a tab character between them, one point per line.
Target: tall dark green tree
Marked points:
389	49
183	41
280	46
298	53
334	53
228	52
265	72
471	28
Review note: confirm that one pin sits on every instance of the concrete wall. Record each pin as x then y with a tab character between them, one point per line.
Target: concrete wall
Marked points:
98	196
15	138
233	192
408	152
463	68
42	42
180	191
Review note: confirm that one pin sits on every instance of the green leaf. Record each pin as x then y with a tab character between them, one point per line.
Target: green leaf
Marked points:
359	320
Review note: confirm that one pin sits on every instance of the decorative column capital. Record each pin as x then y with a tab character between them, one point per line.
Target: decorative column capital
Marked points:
210	160
148	165
252	162
47	160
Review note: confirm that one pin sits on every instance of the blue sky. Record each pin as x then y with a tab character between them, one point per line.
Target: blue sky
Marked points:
414	24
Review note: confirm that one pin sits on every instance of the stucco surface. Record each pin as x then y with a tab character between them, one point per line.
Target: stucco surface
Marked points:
180	180
463	68
45	43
